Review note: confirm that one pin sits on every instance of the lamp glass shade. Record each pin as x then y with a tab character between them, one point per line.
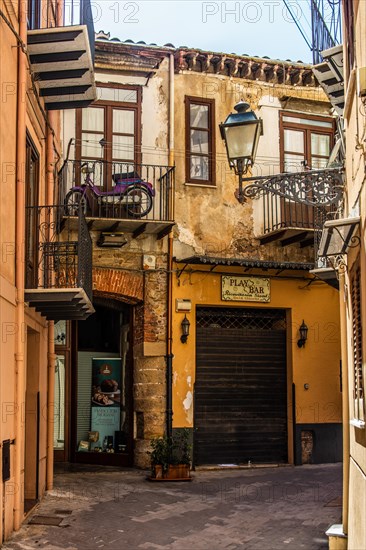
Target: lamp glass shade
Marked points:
303	331
185	326
242	141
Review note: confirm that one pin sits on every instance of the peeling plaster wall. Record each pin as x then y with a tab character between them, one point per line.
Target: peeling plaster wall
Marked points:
209	219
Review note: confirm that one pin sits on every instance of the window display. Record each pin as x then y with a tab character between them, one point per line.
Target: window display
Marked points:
101	408
102	388
59	406
106	413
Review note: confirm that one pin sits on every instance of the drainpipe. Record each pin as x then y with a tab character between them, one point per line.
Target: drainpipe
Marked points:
169	354
171	110
51	357
345	402
20	344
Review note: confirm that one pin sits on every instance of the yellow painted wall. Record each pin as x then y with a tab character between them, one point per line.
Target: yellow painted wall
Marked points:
317	364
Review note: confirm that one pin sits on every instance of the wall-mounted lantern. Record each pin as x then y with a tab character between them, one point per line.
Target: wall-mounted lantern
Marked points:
241	132
185	324
303	330
111	240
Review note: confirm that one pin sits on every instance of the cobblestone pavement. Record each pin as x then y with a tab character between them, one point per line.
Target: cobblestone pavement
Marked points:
255	509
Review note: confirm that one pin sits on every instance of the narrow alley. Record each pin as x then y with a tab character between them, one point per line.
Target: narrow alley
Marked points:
258	508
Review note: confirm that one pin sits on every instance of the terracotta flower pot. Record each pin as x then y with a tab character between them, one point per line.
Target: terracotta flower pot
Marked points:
176	471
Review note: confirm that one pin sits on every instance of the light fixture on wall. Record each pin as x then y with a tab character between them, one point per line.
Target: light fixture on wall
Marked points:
185	324
111	240
241	132
303	330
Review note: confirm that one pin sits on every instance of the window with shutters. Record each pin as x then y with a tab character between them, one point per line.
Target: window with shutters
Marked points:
358	381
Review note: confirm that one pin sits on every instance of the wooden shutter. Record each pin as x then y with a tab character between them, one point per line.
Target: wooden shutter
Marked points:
355	277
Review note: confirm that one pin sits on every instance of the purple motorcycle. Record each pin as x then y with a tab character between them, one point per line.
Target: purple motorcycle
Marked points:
129	192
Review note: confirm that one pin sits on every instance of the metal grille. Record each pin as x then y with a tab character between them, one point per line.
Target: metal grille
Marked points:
247	319
59	264
52	262
85	257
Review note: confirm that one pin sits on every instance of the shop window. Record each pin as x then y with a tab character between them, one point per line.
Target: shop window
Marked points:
200	140
357	351
109	133
103	387
61	387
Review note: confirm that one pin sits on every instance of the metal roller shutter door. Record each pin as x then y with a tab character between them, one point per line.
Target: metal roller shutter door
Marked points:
240	388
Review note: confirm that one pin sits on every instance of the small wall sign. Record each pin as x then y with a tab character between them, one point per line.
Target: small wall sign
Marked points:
245	289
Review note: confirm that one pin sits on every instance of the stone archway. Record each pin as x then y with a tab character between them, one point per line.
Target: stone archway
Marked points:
118	285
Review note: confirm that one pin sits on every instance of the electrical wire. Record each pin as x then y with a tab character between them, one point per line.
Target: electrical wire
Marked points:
297	23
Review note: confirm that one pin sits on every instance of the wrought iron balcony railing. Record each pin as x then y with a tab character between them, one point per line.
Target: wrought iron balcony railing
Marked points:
142	193
58	276
296	204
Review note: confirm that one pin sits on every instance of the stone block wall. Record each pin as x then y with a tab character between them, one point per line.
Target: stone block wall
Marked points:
119	275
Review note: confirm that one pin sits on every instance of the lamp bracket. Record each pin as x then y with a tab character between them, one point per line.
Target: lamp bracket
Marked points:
312	187
338	263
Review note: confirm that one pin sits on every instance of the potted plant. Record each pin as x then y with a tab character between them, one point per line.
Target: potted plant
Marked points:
170	457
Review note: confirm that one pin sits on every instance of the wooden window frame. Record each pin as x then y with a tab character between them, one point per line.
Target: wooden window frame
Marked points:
31	200
108	107
307	129
211	181
357	344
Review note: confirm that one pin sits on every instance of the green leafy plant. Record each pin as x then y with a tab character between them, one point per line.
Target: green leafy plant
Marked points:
171	450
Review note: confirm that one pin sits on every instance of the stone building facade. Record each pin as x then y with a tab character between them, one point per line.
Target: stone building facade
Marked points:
176	257
246	398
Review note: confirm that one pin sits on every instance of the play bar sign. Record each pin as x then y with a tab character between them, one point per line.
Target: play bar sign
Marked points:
245	289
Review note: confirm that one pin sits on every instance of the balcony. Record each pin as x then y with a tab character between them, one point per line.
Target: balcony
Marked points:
289	222
296	205
119	197
61	53
58	276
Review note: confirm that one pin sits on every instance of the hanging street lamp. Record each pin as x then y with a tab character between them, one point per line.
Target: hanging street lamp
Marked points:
241	132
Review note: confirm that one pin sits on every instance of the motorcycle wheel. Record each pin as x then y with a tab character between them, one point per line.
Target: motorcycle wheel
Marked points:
139	201
74	201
